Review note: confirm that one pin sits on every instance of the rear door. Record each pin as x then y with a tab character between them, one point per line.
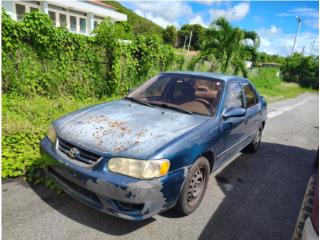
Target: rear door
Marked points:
252	106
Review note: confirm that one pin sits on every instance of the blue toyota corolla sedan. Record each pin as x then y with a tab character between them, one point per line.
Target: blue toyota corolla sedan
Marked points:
154	149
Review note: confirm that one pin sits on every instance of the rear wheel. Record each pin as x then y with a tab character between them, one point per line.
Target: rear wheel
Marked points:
194	188
255	144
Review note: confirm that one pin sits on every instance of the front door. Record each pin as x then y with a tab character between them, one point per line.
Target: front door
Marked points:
233	129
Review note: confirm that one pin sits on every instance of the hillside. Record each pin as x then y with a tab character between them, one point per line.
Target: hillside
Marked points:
140	25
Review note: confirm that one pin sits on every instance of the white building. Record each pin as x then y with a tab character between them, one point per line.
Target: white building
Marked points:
248	64
77	16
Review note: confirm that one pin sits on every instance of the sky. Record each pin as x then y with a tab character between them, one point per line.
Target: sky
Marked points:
275	21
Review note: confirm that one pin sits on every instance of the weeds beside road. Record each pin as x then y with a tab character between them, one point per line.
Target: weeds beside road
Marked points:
24	124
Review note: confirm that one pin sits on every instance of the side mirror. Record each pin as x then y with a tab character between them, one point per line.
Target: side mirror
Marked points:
234	112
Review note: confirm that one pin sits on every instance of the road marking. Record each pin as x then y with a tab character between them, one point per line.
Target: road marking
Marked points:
286	108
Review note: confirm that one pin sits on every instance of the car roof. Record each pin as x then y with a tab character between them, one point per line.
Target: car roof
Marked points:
212	75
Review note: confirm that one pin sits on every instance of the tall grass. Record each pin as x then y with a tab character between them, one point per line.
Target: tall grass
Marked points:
22	114
265	77
269	83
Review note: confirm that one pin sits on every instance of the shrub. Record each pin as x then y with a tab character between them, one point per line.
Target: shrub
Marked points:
302	70
40	59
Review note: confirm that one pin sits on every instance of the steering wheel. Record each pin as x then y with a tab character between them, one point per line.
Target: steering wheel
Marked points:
204	102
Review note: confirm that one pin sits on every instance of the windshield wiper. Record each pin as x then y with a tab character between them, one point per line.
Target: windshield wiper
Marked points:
164	105
138	101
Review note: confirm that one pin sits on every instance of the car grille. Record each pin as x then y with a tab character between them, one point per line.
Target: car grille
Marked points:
84	156
84	192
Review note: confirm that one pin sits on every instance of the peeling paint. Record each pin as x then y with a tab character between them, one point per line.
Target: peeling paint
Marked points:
136	130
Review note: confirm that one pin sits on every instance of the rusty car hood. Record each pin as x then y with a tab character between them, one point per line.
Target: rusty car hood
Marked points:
125	128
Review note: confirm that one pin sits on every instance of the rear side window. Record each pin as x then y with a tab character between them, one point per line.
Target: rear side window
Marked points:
250	95
234	96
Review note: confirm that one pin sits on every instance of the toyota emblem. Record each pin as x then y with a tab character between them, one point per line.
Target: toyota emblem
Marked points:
73	152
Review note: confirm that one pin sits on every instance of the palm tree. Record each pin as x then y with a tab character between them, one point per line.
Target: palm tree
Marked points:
230	46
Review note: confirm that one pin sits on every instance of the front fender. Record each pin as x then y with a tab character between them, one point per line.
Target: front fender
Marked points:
184	150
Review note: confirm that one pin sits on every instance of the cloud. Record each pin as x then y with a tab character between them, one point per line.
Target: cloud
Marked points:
313	23
310	16
198	20
281	43
207	2
235	13
158	20
302	12
270	31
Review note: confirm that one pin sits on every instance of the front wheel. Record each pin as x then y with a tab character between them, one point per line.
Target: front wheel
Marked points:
194	188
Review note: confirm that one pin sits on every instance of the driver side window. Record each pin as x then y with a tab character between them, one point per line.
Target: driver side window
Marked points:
157	88
234	96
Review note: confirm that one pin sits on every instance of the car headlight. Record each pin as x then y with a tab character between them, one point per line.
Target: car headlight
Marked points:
143	169
52	134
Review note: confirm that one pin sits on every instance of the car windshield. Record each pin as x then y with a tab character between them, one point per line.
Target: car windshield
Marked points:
189	94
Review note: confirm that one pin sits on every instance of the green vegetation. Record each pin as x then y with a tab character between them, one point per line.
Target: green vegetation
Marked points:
266	58
140	25
302	70
198	36
229	46
170	35
269	83
39	59
24	124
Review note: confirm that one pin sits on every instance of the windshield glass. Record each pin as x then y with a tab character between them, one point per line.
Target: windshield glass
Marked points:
190	93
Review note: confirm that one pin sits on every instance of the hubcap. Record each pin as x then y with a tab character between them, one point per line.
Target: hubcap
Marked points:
257	138
196	186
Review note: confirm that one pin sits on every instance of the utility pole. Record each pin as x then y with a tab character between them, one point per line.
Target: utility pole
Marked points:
295	39
302	52
189	40
184	45
312	47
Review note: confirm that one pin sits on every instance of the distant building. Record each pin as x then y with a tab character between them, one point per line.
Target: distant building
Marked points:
274	65
77	16
248	64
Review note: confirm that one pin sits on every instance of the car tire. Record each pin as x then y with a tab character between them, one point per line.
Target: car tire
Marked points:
255	144
316	161
306	207
194	187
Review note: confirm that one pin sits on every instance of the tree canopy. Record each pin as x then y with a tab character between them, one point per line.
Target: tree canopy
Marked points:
170	35
230	46
198	36
303	70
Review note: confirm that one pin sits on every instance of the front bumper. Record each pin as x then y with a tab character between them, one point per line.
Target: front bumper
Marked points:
109	192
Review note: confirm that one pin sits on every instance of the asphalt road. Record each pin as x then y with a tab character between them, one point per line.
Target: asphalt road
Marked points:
257	196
